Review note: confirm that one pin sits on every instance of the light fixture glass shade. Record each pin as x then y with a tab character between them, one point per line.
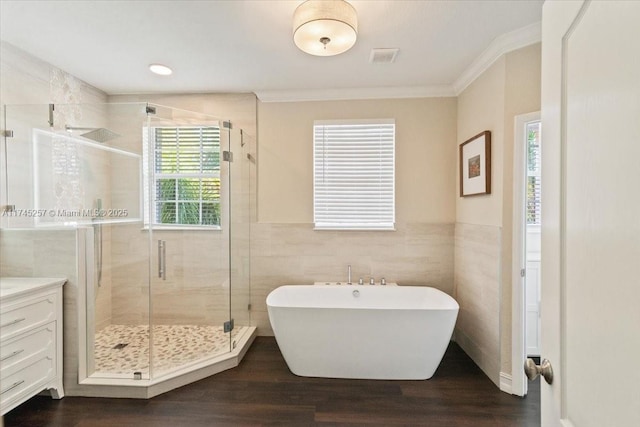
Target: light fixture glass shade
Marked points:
325	27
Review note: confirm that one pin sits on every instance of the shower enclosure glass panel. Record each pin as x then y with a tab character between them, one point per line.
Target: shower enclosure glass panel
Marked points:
77	170
69	185
17	162
242	146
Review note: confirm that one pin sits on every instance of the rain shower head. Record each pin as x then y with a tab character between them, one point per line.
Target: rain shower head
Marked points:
100	135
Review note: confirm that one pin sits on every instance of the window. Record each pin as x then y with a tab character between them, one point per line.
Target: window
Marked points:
354	175
533	173
186	176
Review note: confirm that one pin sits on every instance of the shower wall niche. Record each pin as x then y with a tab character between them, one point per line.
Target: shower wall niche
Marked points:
158	201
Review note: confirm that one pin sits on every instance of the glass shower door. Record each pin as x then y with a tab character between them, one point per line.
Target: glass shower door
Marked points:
188	223
117	250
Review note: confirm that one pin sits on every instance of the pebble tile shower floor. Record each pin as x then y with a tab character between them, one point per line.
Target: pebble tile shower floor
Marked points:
124	349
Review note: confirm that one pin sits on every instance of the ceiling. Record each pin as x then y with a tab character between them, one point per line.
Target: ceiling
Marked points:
247	46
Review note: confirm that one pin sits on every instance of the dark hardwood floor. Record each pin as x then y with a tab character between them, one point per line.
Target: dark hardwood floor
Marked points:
262	391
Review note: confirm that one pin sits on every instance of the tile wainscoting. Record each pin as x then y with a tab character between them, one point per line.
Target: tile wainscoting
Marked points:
281	254
419	254
477	290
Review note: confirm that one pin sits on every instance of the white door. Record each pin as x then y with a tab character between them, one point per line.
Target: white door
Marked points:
591	212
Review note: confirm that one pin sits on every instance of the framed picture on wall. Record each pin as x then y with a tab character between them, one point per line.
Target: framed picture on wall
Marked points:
475	165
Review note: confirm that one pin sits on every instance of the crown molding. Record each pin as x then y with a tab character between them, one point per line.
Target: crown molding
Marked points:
355	93
501	45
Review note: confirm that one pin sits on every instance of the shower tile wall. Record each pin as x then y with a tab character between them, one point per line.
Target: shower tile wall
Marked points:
286	254
196	288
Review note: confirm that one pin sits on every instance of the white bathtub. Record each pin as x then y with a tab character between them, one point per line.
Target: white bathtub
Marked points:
361	331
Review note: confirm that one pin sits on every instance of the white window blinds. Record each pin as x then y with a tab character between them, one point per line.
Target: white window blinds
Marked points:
354	183
533	174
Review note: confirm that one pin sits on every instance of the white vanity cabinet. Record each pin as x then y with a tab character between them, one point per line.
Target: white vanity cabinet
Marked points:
30	339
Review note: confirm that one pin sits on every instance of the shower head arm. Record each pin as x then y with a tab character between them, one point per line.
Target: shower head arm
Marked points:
70	128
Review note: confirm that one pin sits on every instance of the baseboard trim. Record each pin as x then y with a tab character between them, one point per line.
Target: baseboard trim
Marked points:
505	382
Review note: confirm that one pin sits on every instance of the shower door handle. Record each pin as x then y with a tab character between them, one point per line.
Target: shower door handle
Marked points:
162	259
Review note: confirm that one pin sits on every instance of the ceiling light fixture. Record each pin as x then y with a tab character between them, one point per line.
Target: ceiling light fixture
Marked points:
160	69
325	27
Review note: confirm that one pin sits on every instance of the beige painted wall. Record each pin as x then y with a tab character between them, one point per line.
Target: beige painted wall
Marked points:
511	86
480	108
425	156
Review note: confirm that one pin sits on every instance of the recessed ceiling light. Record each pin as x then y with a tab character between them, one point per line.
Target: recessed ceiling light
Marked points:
160	69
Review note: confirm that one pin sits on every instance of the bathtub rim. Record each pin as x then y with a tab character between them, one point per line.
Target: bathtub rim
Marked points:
312	290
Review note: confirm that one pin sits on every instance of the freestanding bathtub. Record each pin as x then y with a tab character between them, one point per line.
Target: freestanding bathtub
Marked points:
362	331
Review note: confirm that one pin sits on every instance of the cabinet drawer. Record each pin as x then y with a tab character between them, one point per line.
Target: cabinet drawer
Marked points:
21	316
35	344
27	381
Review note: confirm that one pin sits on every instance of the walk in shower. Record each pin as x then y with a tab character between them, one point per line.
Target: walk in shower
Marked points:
159	200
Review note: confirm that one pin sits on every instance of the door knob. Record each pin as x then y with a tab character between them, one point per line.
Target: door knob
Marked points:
532	370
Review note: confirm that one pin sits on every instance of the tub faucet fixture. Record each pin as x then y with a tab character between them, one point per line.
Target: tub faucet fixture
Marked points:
383	281
349	274
371	281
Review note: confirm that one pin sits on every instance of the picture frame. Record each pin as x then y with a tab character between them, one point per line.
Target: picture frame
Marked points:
475	165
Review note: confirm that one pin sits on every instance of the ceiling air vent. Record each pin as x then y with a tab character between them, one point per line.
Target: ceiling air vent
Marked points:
383	55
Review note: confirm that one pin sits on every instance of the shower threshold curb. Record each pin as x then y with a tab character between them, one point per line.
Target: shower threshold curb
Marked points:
146	389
